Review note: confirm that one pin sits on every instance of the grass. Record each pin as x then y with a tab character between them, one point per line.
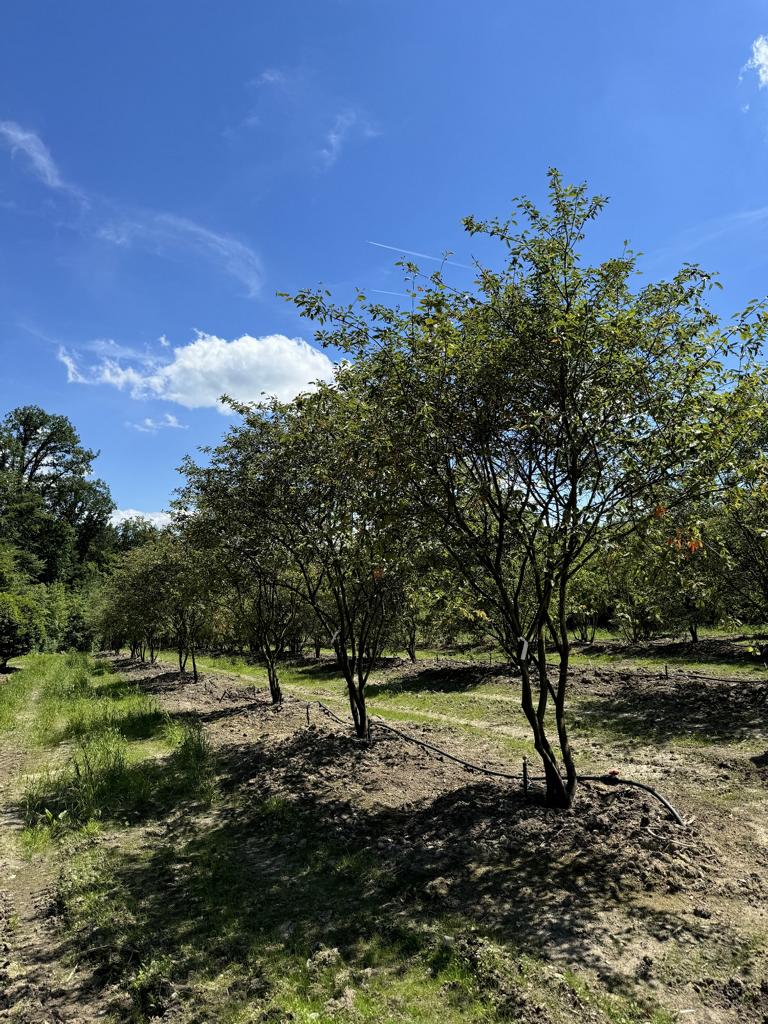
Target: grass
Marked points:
13	690
114	755
687	662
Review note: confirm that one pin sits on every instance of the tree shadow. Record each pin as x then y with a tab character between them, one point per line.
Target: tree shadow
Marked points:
760	762
661	710
284	866
717	650
441	679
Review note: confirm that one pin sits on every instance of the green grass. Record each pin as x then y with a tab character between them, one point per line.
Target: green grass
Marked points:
689	662
113	755
83	697
14	687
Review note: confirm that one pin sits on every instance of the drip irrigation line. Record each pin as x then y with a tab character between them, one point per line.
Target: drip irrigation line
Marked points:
444	753
615	780
607	780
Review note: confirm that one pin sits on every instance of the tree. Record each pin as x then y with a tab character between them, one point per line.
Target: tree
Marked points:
131	604
738	526
41	449
188	593
50	506
304	489
545	408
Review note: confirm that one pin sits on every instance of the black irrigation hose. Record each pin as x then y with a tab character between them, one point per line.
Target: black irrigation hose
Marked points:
608	780
444	753
614	780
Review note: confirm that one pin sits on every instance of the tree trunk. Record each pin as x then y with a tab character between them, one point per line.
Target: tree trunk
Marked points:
317	648
194	666
693	629
411	645
358	708
274	682
558	794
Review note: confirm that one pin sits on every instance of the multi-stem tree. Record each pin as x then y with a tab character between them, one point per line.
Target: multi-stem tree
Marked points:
739	524
544	408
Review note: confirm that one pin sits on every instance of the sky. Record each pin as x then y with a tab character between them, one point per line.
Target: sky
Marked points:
167	168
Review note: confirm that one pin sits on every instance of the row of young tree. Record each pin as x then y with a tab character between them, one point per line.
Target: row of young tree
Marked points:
549	449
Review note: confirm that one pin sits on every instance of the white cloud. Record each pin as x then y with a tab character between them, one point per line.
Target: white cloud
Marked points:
158	519
150	426
759	60
73	373
346	125
42	164
199	373
109	348
32	146
166	233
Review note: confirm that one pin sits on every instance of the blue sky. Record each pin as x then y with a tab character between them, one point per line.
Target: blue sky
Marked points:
165	168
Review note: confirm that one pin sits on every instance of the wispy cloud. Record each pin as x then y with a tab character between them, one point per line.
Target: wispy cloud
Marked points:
758	62
198	374
270	76
167	233
112	349
74	376
38	156
420	255
347	124
150	426
161	232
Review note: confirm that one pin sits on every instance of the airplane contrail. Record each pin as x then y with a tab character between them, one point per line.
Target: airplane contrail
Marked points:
421	255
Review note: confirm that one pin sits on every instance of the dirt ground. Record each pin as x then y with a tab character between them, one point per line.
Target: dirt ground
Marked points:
673	915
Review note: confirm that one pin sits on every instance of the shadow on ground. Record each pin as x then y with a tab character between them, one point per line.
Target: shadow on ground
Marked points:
718	650
285	865
681	707
441	679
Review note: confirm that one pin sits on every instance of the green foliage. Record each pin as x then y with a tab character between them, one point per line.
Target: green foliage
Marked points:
160	592
300	502
20	627
529	456
541	416
50	506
